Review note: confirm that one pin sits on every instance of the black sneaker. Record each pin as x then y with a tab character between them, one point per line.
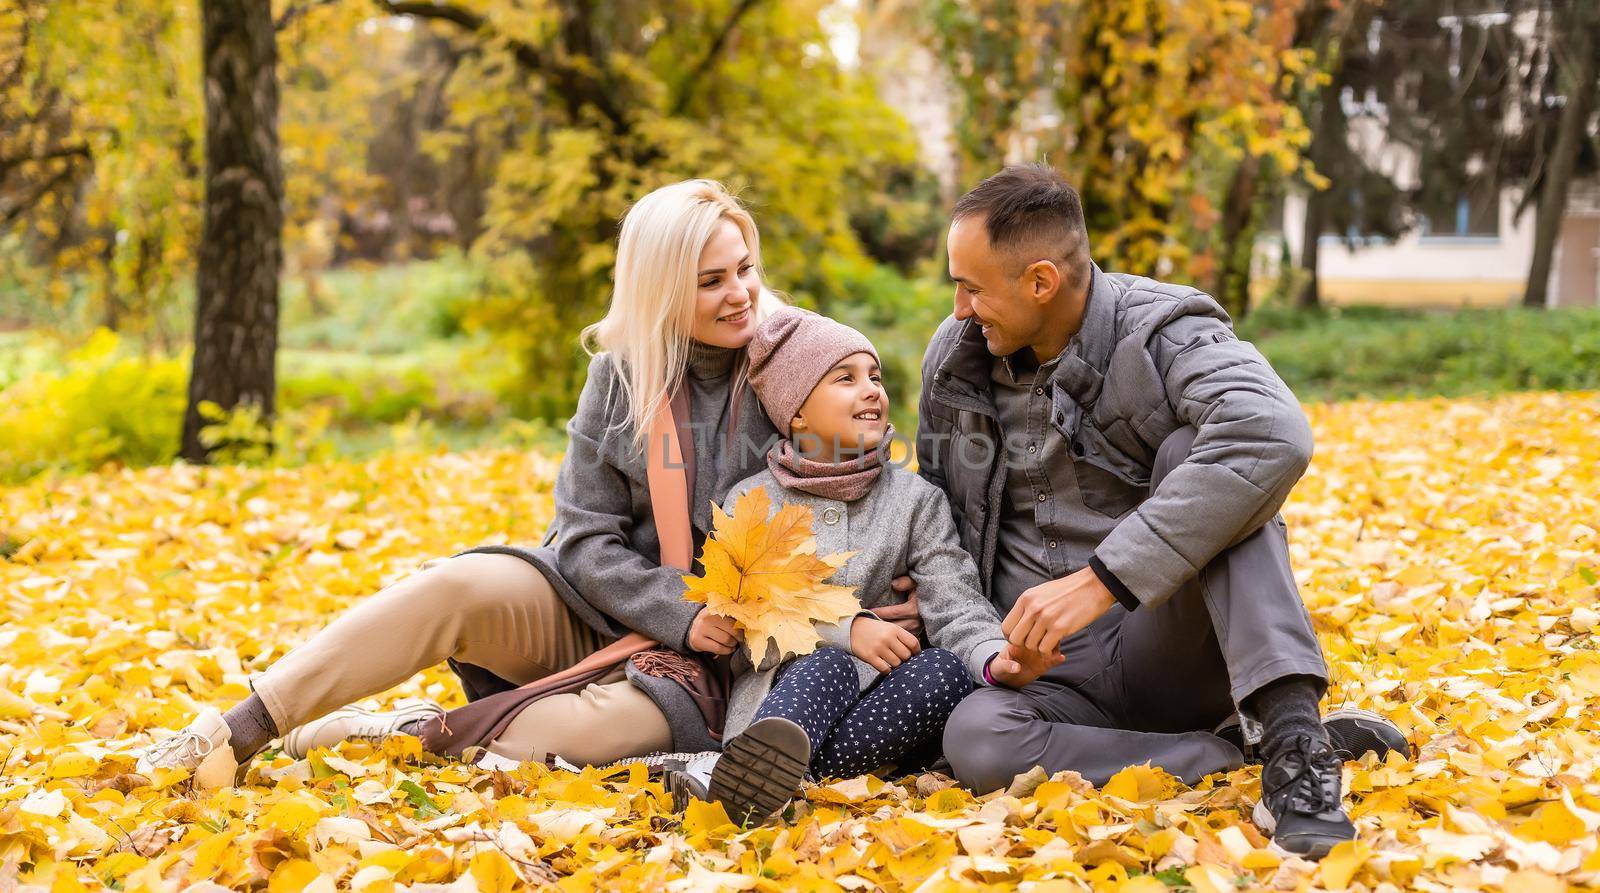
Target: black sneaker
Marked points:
1300	802
1231	731
1354	733
758	772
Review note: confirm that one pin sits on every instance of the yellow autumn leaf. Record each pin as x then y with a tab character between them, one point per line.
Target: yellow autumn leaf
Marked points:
295	814
493	872
292	875
73	765
1553	823
765	575
701	817
1340	865
1139	784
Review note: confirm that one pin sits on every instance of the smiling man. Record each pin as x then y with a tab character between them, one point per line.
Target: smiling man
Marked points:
1115	458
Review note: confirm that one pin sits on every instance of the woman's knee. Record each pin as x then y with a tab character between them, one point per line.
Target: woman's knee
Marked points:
477	581
600	724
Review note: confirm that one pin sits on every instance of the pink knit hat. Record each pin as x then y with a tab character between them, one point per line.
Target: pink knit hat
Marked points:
792	350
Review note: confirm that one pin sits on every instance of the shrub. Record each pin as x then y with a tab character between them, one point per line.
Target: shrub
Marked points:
106	407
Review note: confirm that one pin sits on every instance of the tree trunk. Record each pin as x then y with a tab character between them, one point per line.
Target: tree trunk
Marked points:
1232	285
241	253
1579	85
1327	139
1310	296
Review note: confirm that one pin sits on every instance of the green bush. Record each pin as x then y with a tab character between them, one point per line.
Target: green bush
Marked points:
108	407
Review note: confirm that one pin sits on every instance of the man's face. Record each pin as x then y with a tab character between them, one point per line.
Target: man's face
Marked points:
1002	303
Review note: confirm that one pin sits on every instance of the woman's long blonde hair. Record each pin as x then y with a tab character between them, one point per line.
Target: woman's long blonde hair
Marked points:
648	325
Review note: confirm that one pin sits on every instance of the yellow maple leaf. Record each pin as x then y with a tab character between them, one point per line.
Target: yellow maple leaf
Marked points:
764	574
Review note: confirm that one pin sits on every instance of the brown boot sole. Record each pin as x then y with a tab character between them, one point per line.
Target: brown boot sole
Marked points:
760	770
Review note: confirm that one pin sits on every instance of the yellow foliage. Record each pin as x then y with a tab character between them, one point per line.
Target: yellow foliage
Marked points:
1447	550
766	575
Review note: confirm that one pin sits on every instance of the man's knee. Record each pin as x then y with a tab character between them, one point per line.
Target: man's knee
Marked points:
1172	453
980	740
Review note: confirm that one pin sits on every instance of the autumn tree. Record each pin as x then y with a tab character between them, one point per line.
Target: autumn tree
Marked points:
41	157
1150	107
578	109
241	251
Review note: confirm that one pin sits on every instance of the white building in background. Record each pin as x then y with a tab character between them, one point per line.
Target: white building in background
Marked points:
1475	254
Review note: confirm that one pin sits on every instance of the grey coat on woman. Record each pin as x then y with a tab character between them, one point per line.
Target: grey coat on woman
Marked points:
602	554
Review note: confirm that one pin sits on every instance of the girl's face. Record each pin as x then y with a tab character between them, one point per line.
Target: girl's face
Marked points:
847	413
726	288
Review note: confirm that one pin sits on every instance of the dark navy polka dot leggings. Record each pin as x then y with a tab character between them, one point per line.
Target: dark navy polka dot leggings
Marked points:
853	733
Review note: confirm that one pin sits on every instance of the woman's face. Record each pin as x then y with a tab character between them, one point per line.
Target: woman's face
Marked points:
726	287
846	414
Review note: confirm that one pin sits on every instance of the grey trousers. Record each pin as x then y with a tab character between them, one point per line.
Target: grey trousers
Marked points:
1148	686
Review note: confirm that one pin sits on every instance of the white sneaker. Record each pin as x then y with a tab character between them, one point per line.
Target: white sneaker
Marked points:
201	747
356	722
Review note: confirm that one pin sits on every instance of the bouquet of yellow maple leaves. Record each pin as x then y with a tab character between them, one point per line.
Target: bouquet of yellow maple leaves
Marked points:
764	573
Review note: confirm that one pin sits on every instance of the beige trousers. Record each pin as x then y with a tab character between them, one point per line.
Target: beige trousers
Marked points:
495	611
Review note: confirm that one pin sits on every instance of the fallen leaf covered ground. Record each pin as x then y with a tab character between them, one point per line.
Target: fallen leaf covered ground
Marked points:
1447	550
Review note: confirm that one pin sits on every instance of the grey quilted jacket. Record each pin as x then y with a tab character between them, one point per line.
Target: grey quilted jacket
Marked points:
1150	357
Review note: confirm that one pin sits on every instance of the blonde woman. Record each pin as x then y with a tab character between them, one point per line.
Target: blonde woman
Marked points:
687	298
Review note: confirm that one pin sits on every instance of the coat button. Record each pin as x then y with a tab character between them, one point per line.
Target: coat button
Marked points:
1053	544
1039	391
1077	449
1041	497
830	515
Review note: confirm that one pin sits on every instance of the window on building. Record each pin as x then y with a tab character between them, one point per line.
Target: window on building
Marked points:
1475	213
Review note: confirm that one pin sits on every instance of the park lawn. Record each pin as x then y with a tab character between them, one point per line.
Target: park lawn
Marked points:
1447	550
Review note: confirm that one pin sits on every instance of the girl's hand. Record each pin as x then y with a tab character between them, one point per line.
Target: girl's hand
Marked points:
712	633
881	644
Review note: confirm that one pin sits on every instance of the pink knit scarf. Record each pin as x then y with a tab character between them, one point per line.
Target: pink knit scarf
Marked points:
845	481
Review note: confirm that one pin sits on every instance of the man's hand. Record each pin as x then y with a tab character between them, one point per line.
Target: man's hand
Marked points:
881	644
1055	609
713	633
1016	667
908	614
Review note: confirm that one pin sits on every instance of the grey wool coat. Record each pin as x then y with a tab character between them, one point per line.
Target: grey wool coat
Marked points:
602	554
903	526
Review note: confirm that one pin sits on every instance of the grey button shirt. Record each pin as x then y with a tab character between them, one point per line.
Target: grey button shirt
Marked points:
1046	529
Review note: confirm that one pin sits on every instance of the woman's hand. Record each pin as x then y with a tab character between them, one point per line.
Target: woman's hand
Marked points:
908	614
881	644
713	633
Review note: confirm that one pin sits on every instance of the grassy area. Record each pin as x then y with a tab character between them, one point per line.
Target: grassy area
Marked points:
375	359
1339	354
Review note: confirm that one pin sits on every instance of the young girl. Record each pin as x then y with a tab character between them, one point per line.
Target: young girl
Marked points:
872	695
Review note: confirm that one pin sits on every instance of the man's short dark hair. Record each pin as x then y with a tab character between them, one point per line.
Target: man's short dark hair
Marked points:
1030	208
